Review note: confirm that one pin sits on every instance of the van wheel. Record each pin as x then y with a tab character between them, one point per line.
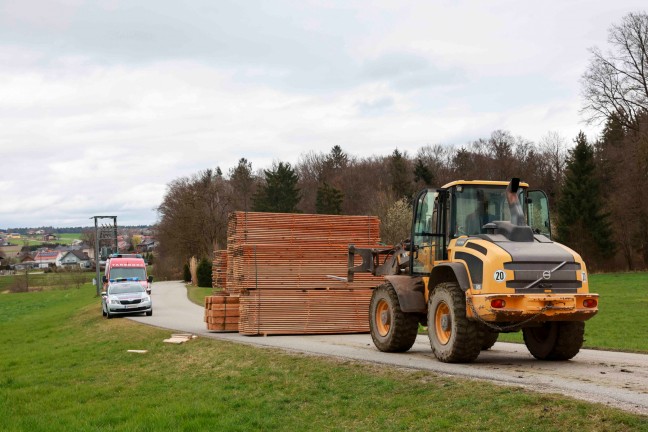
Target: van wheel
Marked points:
453	337
559	340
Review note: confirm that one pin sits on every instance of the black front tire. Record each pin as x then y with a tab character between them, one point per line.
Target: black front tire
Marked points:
149	313
560	340
392	330
453	337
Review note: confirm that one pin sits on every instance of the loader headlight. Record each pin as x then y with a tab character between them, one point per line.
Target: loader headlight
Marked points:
584	276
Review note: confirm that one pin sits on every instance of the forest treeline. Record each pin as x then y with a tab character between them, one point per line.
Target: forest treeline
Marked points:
596	186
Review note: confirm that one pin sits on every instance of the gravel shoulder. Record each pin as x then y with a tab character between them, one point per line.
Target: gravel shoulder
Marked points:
612	378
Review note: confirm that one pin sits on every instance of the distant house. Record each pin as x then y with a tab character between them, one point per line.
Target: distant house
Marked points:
49	237
74	258
123	246
14	236
45	259
147	245
26	261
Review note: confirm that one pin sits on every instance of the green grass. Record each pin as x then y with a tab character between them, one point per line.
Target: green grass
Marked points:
66	368
621	323
64	239
40	280
197	295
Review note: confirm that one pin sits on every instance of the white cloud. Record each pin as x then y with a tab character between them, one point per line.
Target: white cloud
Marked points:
103	104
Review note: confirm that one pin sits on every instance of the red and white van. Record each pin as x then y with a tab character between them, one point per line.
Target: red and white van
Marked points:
127	267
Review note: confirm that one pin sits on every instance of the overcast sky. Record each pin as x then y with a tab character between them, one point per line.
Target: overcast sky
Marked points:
103	103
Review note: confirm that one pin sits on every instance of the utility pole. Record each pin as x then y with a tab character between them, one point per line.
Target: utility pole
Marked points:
105	232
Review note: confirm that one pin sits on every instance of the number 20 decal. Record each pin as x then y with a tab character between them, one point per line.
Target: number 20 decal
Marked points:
499	275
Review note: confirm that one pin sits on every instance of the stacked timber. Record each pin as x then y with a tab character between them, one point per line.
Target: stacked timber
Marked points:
267	312
222	312
281	264
219	269
287	250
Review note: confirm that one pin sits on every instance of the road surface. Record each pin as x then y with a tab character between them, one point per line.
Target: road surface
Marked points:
612	378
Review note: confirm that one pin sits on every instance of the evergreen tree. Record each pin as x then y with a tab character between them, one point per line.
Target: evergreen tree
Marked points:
337	158
329	200
423	174
400	175
186	273
279	193
204	273
584	225
242	181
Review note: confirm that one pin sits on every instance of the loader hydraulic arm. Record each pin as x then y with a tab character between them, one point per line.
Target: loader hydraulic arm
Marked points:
396	259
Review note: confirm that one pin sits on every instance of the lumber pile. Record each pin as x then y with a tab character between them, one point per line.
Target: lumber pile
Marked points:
219	269
268	312
286	250
222	312
279	265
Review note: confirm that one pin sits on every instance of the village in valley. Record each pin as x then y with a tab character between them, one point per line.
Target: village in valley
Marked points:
54	249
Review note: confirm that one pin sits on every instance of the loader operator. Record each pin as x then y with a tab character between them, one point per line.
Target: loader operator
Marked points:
481	216
515	208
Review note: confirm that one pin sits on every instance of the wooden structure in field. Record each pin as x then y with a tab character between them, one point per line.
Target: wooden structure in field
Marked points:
280	265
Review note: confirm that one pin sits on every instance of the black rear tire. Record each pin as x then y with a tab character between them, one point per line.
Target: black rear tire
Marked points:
487	337
560	340
392	330
453	337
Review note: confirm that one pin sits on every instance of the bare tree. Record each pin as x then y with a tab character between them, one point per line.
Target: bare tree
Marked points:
616	82
193	218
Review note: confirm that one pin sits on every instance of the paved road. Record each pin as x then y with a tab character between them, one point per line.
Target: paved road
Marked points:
613	378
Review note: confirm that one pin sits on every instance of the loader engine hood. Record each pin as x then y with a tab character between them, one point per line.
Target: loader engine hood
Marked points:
539	265
520	242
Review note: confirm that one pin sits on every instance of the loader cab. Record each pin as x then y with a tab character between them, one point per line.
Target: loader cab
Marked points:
463	208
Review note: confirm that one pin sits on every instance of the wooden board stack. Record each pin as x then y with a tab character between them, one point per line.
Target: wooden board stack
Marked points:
222	312
284	311
279	264
219	269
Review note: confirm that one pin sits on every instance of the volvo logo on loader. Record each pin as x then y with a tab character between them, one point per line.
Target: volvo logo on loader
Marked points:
546	275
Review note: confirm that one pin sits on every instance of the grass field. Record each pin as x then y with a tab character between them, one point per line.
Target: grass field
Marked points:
64	239
622	321
197	295
40	280
65	368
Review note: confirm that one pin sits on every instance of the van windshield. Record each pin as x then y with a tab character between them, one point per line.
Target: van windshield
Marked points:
128	272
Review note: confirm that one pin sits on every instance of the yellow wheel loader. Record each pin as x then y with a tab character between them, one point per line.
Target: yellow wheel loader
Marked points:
480	261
